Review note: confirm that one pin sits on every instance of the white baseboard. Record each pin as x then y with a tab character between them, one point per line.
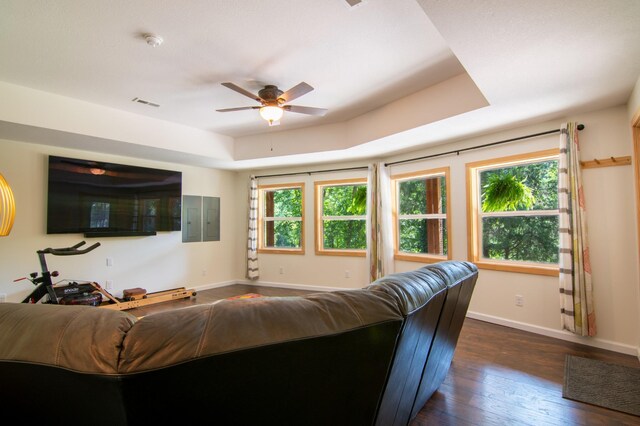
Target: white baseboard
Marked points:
558	334
213	285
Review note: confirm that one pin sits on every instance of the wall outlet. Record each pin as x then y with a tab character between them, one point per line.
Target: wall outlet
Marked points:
519	300
347	274
3	297
281	270
108	285
109	261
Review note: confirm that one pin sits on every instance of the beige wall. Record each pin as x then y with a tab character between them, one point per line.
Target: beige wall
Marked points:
155	263
318	271
612	226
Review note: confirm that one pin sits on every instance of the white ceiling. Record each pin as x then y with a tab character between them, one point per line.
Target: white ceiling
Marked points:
531	60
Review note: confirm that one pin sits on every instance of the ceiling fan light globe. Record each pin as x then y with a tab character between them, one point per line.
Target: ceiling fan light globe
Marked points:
271	113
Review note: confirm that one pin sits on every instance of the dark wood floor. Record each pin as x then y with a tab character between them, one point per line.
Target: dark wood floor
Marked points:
499	375
504	376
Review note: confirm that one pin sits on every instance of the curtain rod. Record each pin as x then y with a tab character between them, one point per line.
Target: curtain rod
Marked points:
458	151
314	171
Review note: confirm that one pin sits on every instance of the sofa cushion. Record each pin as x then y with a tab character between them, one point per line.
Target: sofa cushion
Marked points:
169	338
81	338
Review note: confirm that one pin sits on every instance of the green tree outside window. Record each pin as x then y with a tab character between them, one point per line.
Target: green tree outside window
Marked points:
282	218
422	216
519	216
343	217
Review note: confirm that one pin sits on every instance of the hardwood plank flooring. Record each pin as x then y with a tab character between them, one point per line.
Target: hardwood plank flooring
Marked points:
499	375
504	376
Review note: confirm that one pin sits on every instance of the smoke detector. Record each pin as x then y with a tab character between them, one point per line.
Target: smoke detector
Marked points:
153	40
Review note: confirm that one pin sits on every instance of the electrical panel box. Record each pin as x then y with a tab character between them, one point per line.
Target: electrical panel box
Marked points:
200	218
191	218
211	219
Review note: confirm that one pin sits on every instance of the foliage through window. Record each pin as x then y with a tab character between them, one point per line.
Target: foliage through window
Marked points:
421	215
281	217
515	217
341	226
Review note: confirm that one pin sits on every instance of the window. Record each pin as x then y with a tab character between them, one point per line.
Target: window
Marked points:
513	217
341	221
422	215
281	216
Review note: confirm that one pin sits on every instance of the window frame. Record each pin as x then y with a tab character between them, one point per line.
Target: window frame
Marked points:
474	214
319	218
262	218
395	186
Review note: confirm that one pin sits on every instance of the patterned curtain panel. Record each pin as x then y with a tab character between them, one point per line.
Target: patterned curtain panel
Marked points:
379	222
252	234
576	292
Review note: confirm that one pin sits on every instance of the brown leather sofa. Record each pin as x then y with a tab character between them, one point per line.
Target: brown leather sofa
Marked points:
355	357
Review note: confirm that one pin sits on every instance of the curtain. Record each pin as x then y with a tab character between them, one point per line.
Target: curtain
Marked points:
576	292
252	233
379	222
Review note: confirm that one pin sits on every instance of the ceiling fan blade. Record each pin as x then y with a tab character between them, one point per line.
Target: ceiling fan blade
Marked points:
296	92
237	109
242	91
306	110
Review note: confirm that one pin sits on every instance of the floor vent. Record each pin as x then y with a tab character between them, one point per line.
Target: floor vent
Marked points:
142	101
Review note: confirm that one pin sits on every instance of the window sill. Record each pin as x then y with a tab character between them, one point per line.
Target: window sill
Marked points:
423	258
338	252
551	271
281	251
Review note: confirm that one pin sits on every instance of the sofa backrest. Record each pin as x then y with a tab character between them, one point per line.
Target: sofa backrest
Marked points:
434	311
59	364
317	360
420	295
320	359
461	278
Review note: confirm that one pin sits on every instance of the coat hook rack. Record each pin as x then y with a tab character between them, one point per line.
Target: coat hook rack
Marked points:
606	162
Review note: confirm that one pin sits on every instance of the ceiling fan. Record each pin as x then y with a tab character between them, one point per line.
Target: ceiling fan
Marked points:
274	101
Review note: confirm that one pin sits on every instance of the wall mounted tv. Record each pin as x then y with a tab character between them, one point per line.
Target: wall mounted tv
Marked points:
105	199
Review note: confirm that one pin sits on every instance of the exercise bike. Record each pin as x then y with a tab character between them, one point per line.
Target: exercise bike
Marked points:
91	293
43	283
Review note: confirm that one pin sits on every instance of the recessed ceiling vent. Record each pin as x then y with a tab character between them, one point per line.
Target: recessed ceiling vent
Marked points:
142	101
353	3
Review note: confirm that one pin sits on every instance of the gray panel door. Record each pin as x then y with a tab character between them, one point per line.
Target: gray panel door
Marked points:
191	218
211	222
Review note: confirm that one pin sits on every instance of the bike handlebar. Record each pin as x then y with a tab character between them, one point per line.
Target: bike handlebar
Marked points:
69	251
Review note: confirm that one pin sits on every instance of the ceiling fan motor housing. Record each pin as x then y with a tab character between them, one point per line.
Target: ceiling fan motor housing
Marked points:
270	94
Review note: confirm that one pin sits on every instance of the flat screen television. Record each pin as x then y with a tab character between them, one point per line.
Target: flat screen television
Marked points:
107	199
